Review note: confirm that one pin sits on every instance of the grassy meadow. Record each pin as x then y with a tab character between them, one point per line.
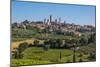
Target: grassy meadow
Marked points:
37	56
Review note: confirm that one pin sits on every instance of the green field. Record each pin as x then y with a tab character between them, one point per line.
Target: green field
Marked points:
37	56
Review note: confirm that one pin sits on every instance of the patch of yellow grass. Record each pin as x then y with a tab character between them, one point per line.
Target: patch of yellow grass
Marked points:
15	45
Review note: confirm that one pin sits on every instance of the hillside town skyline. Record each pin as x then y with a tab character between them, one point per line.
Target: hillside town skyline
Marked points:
53	19
54	25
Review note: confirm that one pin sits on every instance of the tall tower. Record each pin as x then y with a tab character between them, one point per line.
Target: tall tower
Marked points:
50	18
48	22
59	20
64	22
55	20
45	21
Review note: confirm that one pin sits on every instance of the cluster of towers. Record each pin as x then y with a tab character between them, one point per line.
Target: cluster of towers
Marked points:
52	24
50	21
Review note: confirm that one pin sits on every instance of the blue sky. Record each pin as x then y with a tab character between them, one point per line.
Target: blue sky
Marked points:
31	11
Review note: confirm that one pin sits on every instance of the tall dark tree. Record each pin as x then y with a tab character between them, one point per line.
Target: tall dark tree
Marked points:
60	55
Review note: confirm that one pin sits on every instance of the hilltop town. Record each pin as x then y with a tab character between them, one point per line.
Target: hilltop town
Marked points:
57	25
